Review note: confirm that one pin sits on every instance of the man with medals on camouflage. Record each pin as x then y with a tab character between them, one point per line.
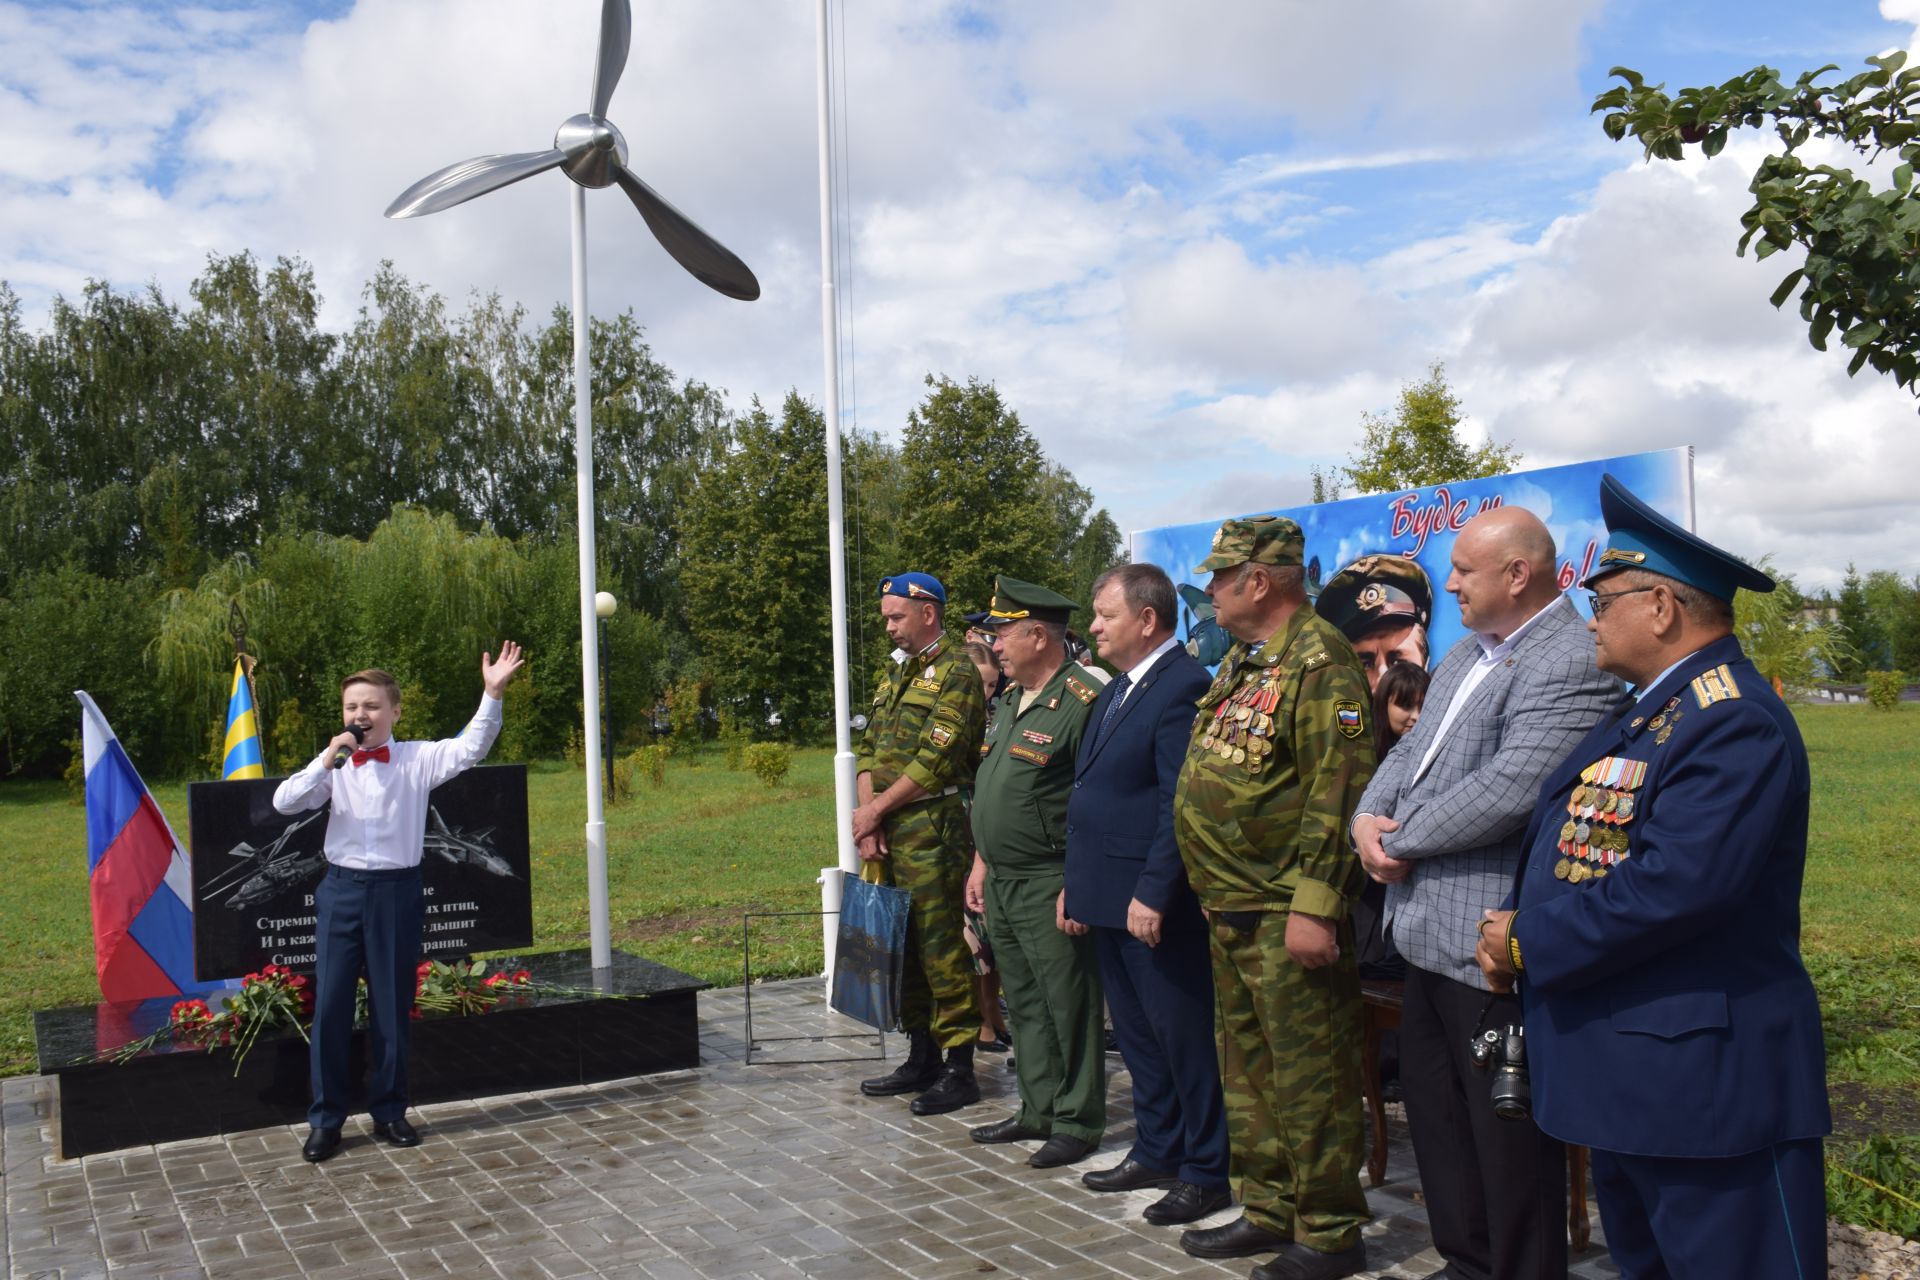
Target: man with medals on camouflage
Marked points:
1279	757
1670	1022
1047	963
919	748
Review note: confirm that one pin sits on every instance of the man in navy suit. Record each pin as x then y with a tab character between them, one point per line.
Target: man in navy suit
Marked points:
1670	1022
1124	878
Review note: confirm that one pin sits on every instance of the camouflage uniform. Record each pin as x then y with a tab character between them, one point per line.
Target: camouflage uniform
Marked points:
926	724
1279	756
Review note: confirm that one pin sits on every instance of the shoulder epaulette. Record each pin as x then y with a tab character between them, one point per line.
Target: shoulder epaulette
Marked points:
1081	690
1714	686
1319	659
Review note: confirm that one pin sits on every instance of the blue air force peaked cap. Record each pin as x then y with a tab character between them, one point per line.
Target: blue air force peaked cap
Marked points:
1638	537
914	586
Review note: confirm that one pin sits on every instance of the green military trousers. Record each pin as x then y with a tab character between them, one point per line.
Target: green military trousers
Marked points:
1290	1066
1052	984
930	852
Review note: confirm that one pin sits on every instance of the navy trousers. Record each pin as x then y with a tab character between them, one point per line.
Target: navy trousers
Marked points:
1760	1216
369	922
1161	999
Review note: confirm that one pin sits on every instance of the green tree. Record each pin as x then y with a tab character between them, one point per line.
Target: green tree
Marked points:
1782	636
876	502
1415	445
756	573
977	487
1857	626
1861	240
64	629
1905	630
1887	595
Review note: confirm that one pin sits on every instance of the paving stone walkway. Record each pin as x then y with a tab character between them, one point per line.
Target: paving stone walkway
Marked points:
732	1170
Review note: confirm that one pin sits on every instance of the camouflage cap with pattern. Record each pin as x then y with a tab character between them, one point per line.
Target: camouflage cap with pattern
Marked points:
1273	540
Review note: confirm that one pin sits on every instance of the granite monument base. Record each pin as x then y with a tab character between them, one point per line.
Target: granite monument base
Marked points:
536	1041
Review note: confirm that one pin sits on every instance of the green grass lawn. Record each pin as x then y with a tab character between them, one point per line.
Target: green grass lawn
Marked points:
686	859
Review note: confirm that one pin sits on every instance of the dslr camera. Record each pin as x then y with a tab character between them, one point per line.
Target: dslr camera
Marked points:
1505	1051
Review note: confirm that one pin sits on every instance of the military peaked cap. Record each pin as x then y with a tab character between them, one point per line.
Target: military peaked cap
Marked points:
1638	537
1017	601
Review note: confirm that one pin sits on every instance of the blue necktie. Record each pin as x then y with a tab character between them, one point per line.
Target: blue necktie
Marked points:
1120	685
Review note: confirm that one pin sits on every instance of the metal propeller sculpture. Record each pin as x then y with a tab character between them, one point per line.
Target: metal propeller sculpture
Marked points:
589	150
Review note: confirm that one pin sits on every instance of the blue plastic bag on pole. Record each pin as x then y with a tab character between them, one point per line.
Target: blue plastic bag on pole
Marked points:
870	951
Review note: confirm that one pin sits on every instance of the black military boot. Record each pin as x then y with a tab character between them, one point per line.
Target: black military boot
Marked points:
956	1087
921	1069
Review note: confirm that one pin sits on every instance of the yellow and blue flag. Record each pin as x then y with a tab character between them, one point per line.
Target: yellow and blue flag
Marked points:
243	758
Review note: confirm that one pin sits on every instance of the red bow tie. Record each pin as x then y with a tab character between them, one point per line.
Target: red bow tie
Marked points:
361	757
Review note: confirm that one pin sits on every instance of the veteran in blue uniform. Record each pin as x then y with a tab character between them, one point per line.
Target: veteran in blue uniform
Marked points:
1670	1023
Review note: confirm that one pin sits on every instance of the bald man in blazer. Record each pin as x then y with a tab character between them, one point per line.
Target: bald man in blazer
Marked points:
1441	825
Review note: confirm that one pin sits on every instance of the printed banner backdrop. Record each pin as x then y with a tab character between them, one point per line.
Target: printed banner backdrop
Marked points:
255	870
1419	525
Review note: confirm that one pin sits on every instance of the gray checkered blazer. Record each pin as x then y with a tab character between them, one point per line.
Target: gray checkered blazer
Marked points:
1462	822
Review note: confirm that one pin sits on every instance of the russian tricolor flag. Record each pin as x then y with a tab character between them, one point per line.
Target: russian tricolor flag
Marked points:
137	875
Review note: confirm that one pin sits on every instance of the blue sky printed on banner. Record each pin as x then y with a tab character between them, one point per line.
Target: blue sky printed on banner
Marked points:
1423	523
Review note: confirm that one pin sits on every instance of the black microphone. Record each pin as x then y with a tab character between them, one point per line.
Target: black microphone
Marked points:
343	754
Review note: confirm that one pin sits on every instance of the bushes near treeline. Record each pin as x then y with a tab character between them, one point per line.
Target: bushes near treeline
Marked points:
401	494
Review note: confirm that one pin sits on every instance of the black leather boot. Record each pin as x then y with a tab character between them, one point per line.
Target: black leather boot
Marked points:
956	1087
921	1069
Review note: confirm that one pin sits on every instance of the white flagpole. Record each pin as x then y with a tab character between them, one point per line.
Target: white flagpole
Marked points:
843	779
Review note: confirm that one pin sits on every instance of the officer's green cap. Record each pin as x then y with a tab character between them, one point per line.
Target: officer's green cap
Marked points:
1375	592
1273	540
1017	601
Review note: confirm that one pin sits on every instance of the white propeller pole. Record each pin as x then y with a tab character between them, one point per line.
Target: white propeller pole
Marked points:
592	153
597	921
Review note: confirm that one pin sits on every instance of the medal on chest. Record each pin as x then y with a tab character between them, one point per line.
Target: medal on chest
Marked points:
1594	838
1241	729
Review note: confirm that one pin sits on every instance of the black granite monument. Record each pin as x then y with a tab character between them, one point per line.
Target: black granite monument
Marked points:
255	869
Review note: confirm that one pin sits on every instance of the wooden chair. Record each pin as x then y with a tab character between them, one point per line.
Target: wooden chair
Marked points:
1380	1003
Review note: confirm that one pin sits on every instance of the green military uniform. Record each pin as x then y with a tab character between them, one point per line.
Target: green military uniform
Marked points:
926	724
1051	979
1279	756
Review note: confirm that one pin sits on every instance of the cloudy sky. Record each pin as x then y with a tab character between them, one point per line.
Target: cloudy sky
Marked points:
1191	244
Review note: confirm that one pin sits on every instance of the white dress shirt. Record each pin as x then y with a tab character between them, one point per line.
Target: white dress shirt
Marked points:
1138	671
379	817
1492	654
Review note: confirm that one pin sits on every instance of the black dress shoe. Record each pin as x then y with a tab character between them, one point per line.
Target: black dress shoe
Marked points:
397	1132
953	1089
321	1143
1008	1130
1062	1148
1187	1202
1128	1175
1238	1239
1296	1261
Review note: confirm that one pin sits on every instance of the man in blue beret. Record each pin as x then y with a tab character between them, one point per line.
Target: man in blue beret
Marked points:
920	747
1670	1024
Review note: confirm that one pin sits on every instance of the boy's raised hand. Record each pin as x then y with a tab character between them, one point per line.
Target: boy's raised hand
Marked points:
496	674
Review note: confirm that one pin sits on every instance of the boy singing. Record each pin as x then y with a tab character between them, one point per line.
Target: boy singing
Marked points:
369	901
